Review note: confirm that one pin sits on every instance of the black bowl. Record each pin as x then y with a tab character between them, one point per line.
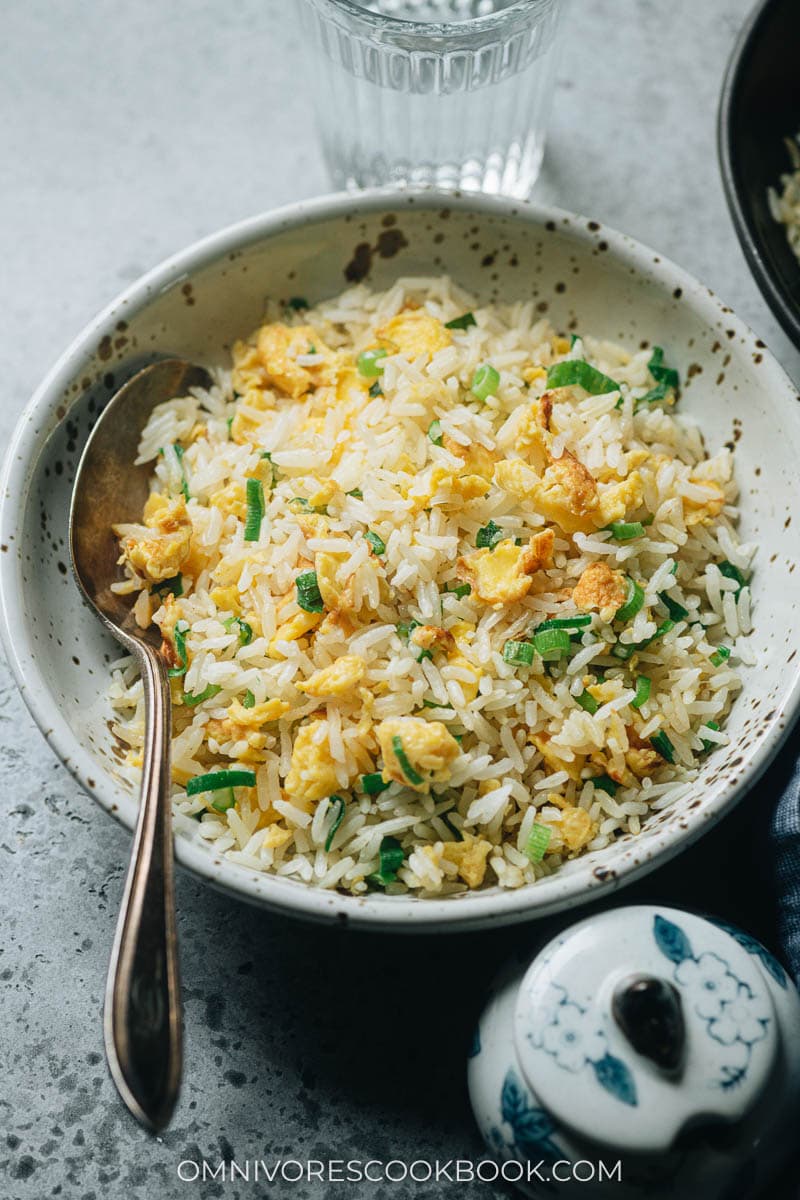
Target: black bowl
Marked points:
759	108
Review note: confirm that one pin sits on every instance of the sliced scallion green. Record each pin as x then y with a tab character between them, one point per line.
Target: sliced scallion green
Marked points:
297	303
179	637
661	743
405	766
720	655
376	542
538	841
485	382
604	783
223	800
624	651
707	744
676	611
659	392
356	493
216	780
459	590
518	653
551	644
300	504
179	453
587	702
577	372
375	389
194	698
255	510
731	572
308	593
369	362
488	536
249	700
275	473
625	531
165	586
374	783
666	375
634	601
642	691
339	804
245	630
390	856
435	432
579	621
463	322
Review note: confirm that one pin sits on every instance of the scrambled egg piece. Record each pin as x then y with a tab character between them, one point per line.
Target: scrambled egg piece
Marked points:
573	831
615	501
602	588
336	597
338	679
640	756
161	554
469	858
432	637
292	630
566	494
276	836
456	658
278	347
228	599
703	512
312	774
259	714
542	743
415	334
504	575
476	458
231	499
429	750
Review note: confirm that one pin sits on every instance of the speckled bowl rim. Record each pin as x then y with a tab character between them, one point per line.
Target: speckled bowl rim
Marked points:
395	914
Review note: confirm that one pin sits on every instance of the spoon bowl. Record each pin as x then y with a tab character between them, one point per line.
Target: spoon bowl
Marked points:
142	1015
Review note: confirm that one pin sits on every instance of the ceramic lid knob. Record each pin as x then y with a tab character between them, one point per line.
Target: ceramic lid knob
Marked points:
639	1022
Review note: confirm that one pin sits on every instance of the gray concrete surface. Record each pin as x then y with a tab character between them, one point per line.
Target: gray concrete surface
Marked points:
128	130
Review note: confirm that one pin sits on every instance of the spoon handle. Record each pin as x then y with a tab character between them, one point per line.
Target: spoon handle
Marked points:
142	1017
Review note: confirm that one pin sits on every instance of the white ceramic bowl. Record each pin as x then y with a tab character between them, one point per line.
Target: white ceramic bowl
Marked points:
195	304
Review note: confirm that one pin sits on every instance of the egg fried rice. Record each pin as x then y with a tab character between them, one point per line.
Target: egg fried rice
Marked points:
447	597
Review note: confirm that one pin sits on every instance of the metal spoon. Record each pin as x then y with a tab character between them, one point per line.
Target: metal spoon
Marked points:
142	1015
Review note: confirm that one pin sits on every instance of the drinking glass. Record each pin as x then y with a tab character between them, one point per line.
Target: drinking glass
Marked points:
445	93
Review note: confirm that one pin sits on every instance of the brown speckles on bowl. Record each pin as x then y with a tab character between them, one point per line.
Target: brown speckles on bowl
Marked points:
104	349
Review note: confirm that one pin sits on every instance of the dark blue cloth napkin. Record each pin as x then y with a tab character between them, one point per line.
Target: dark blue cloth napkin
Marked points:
785	845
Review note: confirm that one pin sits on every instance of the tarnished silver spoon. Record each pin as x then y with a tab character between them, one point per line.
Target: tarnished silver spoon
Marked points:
142	1015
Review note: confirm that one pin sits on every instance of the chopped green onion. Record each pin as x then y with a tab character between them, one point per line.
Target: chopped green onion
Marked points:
193	698
666	375
573	338
300	504
435	432
337	820
551	644
577	622
518	653
217	780
456	832
308	593
174	585
229	422
223	800
604	783
275	473
375	389
576	371
179	636
297	303
720	655
642	691
488	536
249	700
625	531
462	322
374	784
659	392
660	742
459	590
633	601
624	651
587	702
708	745
675	610
391	855
537	843
435	704
405	766
377	543
255	510
357	492
731	572
179	453
485	382
404	631
245	630
369	364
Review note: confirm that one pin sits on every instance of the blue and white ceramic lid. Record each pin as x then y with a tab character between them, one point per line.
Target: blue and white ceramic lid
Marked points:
640	1022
